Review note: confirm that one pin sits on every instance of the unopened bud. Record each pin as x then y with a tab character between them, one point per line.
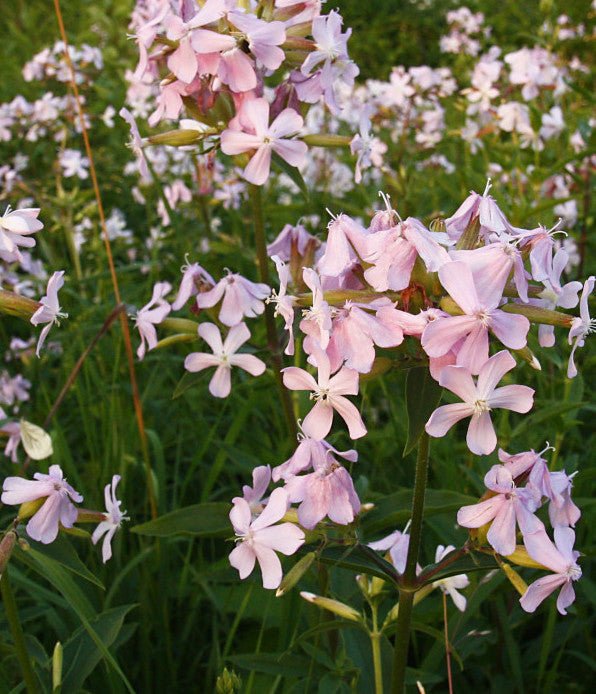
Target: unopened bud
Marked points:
57	662
295	574
338	608
543	316
6	546
30	508
180	138
529	357
228	683
15	305
180	325
469	238
327	140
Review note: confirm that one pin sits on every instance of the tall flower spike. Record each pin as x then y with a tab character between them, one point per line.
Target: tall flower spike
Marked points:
478	401
49	312
224	357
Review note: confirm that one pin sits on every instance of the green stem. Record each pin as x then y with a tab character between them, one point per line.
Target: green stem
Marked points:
408	589
272	341
375	641
16	630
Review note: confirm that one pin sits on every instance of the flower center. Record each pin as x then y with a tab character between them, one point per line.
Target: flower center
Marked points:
481	406
574	572
484	318
320	395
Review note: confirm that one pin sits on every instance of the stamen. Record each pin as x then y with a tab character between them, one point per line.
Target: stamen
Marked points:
489	185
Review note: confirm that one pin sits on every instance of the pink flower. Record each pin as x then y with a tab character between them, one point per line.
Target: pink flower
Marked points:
284	303
561	510
256	134
397	543
259	539
479	303
346	241
113	520
57	508
559	558
581	326
356	332
264	38
136	143
292	241
150	315
508	505
316	322
328	392
224	357
261	477
13	429
16	227
483	207
193	276
49	312
370	149
393	252
328	491
478	400
241	298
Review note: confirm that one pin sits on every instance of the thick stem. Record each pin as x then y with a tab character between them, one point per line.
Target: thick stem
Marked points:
16	630
407	592
272	341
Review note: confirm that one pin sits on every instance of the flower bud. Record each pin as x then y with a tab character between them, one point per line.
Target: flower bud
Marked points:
180	138
30	508
295	574
522	558
327	140
516	580
57	662
14	305
228	683
338	608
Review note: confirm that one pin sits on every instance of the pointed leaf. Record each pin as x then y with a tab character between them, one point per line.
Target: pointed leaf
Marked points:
423	394
201	520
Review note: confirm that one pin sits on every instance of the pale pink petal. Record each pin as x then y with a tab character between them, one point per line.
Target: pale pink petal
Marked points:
257	170
249	363
481	437
221	382
473	352
345	382
477	515
444	417
493	371
566	597
242	557
441	334
298	379
205	41
275	510
458	280
197	361
237	71
459	381
237	142
511	329
256	113
564	540
516	398
293	151
285	538
43	526
210	298
349	413
501	534
287	123
240	516
317	423
541	548
183	62
236	337
270	566
539	591
210	333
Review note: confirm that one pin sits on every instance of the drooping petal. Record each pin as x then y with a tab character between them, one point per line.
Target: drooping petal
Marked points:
480	514
220	384
441	334
539	591
270	566
501	533
349	413
481	437
243	557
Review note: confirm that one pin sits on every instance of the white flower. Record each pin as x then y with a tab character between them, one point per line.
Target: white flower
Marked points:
49	312
452	584
113	520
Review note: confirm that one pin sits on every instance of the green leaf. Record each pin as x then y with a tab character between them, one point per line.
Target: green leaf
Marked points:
395	509
292	172
62	551
422	397
81	654
188	380
361	559
201	520
470	561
